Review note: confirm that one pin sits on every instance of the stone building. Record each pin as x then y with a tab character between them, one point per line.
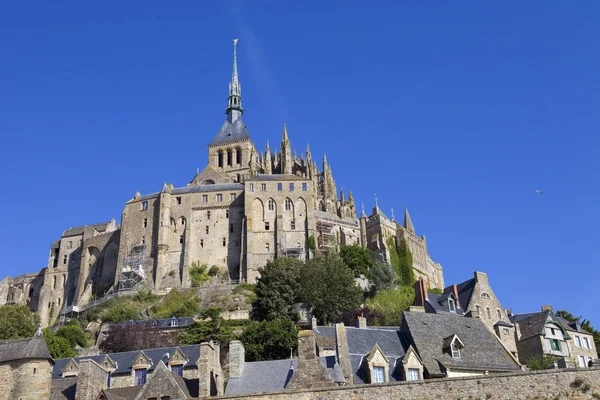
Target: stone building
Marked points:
25	369
247	206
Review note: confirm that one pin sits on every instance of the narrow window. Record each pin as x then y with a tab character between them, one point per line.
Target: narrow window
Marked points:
207	229
178	199
226	213
70	244
201	243
577	341
451	305
505	331
180	239
65	257
145	222
279	187
177	369
304	187
219	197
582	362
220	158
238	156
291	187
230	228
293	225
263	187
34	371
108	379
232	196
54	282
144	205
229	157
172	222
267	225
489	313
182	220
455	351
143	239
586	343
205	198
59	301
271	205
140	377
224	242
238	179
208	215
378	375
288	204
499	314
267	248
413	374
251	187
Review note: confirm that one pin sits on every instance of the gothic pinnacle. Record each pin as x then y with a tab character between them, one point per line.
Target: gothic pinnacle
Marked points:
407	221
285	134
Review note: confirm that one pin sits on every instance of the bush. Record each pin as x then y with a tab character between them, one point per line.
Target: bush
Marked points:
58	346
387	306
213	271
277	289
120	313
270	340
17	322
180	304
435	291
358	259
312	243
540	362
198	274
73	333
383	277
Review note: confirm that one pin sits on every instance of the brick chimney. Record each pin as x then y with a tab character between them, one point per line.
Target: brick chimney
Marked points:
547	307
509	312
361	322
454	290
237	357
481	277
421	294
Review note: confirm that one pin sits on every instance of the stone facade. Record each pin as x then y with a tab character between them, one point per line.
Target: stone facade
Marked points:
244	208
551	385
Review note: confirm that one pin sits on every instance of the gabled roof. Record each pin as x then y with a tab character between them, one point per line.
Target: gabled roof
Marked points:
231	132
434	304
534	324
25	349
465	290
125	359
78	230
571	326
482	352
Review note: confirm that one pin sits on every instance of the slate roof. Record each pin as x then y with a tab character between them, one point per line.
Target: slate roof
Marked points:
195	189
531	324
122	393
24	349
465	291
273	376
182	322
426	332
231	131
63	389
277	177
434	304
334	217
78	230
125	359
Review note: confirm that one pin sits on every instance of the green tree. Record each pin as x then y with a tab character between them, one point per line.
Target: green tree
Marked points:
327	287
17	322
270	340
585	325
407	274
198	273
358	259
73	333
58	346
383	277
435	291
277	289
387	306
540	362
210	328
120	312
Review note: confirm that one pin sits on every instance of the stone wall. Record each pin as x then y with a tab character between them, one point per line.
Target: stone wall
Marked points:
551	384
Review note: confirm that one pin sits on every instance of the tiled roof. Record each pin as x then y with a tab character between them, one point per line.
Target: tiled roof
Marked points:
24	349
434	304
231	132
124	360
262	377
531	324
481	352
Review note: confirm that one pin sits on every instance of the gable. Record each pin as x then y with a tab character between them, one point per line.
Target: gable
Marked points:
209	174
71	369
108	364
162	383
142	360
178	357
376	356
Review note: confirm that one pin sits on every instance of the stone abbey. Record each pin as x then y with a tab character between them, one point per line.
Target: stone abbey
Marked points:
246	207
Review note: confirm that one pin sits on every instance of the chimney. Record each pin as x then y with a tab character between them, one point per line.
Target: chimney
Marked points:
313	323
311	373
237	357
547	307
343	352
481	277
361	322
509	312
421	294
454	290
91	379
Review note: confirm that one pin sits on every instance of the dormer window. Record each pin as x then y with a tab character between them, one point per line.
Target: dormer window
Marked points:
174	321
451	305
455	350
177	369
484	295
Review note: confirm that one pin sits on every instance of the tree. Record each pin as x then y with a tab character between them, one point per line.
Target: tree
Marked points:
270	340
136	336
198	273
585	324
435	290
327	287
383	277
407	274
277	289
540	362
211	328
17	322
387	306
58	346
73	333
358	259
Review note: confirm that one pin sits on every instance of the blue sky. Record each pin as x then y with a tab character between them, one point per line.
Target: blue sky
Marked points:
458	109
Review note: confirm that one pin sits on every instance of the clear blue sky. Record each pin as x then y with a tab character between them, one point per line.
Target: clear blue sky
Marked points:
458	109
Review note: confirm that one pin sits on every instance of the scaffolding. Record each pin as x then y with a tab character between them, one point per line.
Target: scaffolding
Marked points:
290	252
326	238
132	269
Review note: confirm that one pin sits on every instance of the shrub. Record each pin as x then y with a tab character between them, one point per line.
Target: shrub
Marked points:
17	322
213	271
58	346
540	362
180	304
73	333
198	274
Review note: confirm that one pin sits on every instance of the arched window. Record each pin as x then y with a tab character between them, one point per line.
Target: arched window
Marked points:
220	158
271	204
238	156
288	204
182	221
239	178
229	157
172	222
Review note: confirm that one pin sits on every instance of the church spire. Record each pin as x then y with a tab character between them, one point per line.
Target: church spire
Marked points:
407	221
234	107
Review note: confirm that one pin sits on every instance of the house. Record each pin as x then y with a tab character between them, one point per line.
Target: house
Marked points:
164	326
474	298
307	371
543	333
25	368
450	346
197	367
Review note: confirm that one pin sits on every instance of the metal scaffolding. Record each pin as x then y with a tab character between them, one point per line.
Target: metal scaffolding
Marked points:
291	252
326	238
132	269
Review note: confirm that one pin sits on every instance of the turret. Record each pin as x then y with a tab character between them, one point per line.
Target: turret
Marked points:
268	161
286	153
408	225
363	228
